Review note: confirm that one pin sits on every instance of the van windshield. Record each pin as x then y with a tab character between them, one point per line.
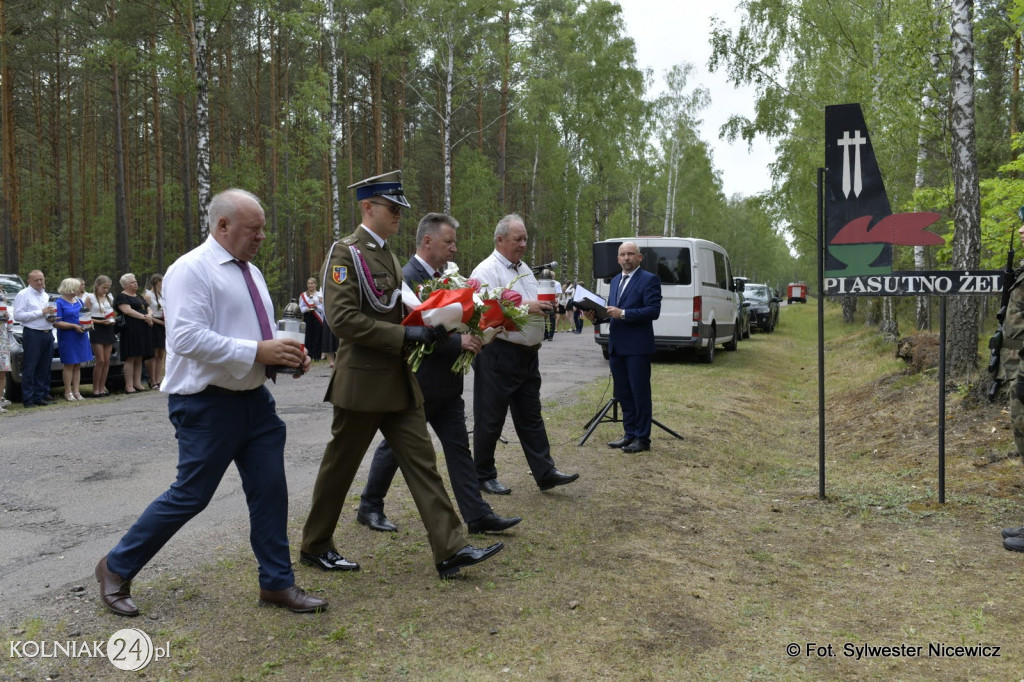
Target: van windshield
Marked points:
670	264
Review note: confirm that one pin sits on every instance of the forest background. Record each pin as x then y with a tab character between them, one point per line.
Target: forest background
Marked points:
120	119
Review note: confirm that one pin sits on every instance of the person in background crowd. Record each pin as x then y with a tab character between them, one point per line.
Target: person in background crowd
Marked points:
101	307
154	298
32	308
577	314
220	343
6	323
72	338
136	338
507	371
311	303
328	342
551	321
565	306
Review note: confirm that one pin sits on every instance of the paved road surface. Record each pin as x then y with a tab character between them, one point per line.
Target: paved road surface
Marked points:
75	476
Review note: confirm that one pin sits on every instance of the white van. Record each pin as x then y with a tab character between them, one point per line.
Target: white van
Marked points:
699	304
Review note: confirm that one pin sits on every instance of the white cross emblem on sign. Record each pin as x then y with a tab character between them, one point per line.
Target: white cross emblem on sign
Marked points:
845	143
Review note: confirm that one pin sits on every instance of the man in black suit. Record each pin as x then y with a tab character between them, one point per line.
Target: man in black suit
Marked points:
442	396
634	302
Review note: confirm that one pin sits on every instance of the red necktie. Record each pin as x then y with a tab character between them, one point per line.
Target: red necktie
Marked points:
257	301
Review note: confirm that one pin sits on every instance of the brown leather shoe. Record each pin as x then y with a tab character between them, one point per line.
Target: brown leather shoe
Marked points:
294	599
115	591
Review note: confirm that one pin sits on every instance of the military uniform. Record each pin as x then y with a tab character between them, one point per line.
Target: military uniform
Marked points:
373	388
1009	366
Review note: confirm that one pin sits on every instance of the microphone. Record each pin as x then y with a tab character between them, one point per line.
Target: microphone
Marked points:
547	266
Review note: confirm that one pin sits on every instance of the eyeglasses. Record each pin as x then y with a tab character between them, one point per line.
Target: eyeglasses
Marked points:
394	208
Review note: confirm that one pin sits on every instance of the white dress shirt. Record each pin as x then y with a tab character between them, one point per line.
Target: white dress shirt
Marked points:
28	309
498	271
212	328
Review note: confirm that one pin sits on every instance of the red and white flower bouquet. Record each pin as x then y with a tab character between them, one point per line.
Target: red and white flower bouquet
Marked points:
457	304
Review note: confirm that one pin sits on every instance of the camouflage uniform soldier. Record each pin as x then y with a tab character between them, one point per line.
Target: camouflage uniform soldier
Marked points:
1013	341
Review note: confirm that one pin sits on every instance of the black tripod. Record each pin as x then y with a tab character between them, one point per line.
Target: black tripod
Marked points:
602	416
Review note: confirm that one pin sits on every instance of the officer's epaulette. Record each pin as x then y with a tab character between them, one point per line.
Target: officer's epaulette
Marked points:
350	240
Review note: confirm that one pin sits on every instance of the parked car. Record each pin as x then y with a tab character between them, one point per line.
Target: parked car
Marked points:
764	307
743	325
13	278
13	392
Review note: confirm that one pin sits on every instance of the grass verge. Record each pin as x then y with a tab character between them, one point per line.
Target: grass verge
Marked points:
703	559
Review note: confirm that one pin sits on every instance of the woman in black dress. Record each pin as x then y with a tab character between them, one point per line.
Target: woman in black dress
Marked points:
136	338
101	306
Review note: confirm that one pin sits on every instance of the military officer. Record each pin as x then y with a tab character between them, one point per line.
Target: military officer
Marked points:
373	388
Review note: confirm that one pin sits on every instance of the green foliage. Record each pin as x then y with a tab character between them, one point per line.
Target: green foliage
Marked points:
581	152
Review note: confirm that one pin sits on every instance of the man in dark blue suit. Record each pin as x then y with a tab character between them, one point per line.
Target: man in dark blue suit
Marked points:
442	401
634	302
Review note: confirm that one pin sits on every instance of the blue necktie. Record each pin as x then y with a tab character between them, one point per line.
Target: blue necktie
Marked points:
618	294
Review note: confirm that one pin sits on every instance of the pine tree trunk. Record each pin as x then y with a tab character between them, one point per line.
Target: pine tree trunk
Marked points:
506	67
11	216
122	259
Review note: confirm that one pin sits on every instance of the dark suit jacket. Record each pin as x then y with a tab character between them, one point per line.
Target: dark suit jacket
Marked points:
370	372
437	380
642	303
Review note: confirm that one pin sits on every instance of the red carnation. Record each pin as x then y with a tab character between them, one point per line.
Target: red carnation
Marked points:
512	297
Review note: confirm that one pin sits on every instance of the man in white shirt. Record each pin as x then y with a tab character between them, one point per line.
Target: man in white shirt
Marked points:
32	308
220	346
507	371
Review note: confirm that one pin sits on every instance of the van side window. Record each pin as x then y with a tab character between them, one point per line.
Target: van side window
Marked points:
670	264
721	271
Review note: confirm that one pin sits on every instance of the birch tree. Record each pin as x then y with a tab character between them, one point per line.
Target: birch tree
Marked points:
963	334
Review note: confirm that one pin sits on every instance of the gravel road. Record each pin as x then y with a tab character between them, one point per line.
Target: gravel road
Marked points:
76	475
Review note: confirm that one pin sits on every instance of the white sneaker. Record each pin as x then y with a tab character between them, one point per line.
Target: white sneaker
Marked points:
4	402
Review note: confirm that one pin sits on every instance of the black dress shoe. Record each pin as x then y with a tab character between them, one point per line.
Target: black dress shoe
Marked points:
328	561
638	445
115	591
294	599
556	478
467	556
622	442
492	523
1013	532
47	401
495	487
376	521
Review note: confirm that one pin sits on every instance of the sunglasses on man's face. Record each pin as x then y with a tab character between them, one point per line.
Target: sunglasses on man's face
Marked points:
394	208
